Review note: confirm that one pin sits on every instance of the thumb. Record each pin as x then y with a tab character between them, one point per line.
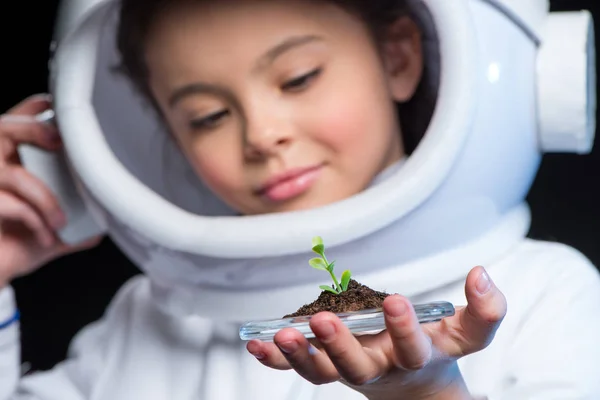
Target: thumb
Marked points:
486	308
32	105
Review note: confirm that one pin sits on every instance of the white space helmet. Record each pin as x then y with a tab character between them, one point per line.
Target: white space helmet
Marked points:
513	81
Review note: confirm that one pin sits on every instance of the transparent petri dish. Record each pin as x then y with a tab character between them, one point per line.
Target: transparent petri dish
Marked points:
359	322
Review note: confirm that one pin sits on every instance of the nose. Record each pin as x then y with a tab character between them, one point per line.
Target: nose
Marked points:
266	138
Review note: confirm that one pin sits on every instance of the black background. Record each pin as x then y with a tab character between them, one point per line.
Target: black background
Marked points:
69	293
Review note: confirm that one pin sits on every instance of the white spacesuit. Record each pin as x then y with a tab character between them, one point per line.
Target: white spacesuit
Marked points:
513	81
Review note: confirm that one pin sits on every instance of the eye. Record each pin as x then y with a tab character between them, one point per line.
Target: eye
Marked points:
301	82
210	121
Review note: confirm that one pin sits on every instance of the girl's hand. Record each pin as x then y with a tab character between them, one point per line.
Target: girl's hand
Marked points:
407	360
29	213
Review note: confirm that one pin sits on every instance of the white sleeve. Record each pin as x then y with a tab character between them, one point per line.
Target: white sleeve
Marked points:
69	380
9	346
556	353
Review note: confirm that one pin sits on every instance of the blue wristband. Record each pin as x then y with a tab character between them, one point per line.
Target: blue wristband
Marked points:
15	317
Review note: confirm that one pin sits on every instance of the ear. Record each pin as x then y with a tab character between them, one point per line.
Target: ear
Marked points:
403	58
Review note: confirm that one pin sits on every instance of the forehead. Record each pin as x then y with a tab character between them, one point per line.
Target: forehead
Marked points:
212	35
205	22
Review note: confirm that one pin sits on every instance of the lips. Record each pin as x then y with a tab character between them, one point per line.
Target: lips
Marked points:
289	184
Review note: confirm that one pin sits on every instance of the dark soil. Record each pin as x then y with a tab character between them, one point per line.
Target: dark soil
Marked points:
358	297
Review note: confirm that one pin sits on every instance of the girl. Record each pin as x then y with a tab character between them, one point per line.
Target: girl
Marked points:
257	95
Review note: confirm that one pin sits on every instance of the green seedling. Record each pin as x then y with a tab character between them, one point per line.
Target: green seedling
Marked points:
322	264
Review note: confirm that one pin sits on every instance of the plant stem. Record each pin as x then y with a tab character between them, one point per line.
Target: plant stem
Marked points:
335	281
337	284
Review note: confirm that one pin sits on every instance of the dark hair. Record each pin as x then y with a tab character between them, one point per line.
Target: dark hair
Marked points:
137	16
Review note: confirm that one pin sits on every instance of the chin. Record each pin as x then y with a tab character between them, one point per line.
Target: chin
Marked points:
303	203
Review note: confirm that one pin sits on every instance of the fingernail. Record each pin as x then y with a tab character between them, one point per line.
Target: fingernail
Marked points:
288	347
484	283
259	356
312	350
397	308
325	330
373	380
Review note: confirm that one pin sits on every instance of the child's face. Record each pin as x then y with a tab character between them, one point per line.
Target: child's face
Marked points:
280	105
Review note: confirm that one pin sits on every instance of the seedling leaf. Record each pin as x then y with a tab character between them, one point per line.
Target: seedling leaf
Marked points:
317	240
323	264
330	266
346	275
318	263
328	288
319	249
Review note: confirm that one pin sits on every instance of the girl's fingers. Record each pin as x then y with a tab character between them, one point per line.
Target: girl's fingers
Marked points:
308	361
13	209
32	105
268	354
19	126
14	133
346	353
473	327
411	347
17	181
486	308
341	355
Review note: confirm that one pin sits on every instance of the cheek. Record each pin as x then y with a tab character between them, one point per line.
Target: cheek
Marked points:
219	170
355	127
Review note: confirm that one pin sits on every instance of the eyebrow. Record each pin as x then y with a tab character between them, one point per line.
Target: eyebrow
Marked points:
264	61
197	88
295	41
